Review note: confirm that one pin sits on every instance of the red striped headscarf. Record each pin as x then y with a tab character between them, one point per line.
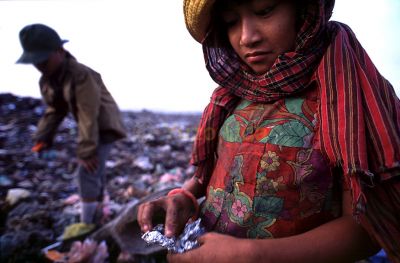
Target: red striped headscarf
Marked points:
359	112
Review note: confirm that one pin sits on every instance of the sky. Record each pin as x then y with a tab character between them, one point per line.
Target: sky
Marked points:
145	55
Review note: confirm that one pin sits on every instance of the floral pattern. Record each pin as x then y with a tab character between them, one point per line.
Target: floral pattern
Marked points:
270	180
270	161
217	203
269	186
239	209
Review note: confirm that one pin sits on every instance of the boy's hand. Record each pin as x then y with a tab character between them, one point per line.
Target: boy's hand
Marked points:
38	147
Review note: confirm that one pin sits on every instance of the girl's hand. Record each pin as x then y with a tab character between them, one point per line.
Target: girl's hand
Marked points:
178	209
215	247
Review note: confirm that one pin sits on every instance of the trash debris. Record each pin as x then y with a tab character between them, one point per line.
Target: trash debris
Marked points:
5	182
88	251
55	256
186	241
157	144
73	199
15	195
144	163
77	230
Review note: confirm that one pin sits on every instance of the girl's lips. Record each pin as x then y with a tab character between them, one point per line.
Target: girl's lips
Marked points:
256	57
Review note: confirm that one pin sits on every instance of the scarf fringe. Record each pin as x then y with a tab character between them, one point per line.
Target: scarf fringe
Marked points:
382	216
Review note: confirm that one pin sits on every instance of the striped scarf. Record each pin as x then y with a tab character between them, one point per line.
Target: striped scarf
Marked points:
359	112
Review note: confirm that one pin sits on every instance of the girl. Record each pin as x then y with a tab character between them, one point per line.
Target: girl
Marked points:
298	150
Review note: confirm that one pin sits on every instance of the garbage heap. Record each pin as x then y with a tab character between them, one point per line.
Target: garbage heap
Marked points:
38	194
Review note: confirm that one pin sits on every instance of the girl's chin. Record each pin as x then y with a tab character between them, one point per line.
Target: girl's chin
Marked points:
260	69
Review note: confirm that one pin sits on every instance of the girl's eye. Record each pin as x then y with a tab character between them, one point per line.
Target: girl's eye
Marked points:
230	23
229	20
265	11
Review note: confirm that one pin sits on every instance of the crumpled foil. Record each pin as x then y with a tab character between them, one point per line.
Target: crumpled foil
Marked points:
186	241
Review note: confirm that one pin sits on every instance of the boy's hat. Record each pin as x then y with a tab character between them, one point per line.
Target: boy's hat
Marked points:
38	42
197	17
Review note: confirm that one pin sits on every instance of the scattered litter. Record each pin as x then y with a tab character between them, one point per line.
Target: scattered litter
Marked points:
16	194
77	230
155	146
88	251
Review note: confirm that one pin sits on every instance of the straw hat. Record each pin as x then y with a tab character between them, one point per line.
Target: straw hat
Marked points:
197	17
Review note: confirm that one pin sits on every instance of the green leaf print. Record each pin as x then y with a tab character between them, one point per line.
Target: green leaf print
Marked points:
261	175
288	134
230	131
215	201
260	230
293	105
267	206
243	104
269	122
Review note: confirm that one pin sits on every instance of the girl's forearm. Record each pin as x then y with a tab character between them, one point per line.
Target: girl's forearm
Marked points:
195	187
341	240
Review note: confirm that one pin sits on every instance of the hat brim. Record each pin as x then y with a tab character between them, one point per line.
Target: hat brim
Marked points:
197	17
35	57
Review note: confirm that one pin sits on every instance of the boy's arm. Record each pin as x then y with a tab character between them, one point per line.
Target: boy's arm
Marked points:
48	125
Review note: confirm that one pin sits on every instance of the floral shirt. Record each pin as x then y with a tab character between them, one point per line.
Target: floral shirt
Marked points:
271	179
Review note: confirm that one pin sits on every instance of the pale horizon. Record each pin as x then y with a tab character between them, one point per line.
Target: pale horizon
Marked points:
145	55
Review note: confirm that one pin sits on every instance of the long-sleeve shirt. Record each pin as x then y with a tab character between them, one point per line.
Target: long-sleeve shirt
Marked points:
78	89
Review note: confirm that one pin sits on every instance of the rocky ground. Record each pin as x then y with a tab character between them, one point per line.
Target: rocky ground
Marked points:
38	193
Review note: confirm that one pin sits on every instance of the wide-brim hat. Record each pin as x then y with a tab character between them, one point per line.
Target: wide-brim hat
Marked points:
38	42
197	17
35	57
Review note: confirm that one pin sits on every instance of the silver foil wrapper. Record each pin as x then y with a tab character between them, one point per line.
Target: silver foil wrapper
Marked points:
186	241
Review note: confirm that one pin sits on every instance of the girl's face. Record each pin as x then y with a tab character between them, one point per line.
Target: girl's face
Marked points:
260	30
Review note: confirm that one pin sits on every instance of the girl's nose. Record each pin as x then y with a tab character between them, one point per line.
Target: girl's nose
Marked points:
250	34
